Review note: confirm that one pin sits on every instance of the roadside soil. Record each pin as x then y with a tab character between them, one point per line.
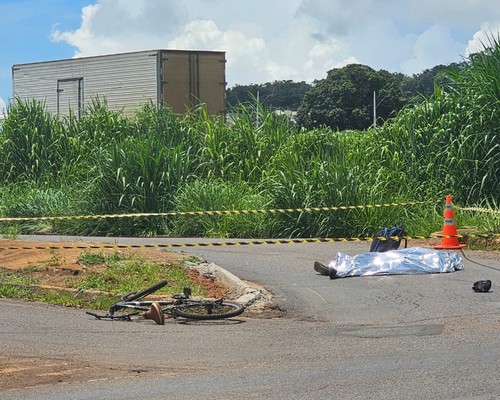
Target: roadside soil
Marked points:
24	372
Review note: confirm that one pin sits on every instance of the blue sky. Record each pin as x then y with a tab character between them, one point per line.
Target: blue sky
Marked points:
25	27
264	40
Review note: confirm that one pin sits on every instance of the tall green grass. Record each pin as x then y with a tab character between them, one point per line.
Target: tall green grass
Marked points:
155	161
33	146
450	143
214	195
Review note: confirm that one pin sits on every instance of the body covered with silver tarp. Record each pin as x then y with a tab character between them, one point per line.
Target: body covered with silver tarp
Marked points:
413	260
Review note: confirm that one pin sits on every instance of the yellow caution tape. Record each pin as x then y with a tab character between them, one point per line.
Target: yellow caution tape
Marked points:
478	209
235	243
213	213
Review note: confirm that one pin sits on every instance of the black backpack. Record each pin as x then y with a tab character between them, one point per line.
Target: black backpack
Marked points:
382	245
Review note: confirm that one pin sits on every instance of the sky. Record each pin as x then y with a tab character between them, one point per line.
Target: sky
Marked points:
264	40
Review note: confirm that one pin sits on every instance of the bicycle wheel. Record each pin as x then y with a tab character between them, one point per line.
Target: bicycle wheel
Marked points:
145	292
208	310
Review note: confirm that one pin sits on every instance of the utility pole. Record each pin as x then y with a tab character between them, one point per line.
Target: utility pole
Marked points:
374	110
257	109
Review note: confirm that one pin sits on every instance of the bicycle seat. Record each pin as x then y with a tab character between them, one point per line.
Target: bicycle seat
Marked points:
155	313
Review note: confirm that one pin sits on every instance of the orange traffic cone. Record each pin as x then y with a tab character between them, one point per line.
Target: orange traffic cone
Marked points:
450	239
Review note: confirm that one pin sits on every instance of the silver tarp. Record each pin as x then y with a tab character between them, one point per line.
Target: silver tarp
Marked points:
413	260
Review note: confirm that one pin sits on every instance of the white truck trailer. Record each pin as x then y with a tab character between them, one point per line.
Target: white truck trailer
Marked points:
179	79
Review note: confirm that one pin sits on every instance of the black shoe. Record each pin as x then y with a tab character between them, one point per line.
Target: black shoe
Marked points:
321	269
482	286
332	273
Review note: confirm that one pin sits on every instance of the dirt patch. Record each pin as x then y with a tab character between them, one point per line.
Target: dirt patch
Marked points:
17	254
24	372
53	263
20	372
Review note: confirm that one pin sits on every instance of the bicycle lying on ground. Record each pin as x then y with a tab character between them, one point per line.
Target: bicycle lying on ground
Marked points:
181	305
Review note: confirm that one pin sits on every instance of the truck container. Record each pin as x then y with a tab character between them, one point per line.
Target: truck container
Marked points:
179	79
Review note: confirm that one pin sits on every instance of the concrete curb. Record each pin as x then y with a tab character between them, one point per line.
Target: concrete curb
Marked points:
243	292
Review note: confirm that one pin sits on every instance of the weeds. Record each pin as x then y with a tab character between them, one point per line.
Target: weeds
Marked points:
17	277
88	258
123	277
56	258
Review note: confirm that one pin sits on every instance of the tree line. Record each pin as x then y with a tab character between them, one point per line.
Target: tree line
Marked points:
352	97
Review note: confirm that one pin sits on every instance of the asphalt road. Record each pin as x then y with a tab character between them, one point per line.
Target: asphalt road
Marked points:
395	337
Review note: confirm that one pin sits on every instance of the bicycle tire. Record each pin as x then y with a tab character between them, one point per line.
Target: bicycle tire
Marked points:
145	292
207	310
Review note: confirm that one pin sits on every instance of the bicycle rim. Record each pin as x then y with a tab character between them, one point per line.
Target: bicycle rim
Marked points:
209	310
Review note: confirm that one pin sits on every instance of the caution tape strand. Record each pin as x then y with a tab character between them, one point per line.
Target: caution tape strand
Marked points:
239	243
214	213
478	209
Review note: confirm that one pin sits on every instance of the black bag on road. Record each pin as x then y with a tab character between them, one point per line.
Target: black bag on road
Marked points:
393	239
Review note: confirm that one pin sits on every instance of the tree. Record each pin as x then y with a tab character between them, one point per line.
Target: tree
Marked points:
286	95
344	99
422	84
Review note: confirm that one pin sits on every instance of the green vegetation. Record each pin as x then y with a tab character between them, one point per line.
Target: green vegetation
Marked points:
60	297
344	99
105	278
286	95
88	258
22	277
126	273
154	161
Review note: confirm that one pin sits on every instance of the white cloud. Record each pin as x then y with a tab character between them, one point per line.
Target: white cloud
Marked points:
341	17
380	45
288	39
434	44
482	38
248	55
453	13
112	26
398	35
325	56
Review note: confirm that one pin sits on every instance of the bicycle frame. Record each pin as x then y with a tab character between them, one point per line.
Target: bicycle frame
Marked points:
181	305
167	305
